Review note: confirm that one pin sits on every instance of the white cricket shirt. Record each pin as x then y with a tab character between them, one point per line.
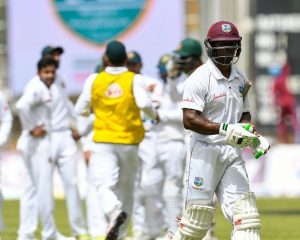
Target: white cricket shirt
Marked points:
218	98
48	106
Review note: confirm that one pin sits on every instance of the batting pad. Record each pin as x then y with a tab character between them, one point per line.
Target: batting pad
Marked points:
195	222
246	219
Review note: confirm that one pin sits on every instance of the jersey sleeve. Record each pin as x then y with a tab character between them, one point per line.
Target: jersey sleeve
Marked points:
84	102
6	120
31	97
142	96
194	94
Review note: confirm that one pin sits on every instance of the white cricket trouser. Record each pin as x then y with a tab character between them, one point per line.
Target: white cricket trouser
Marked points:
162	168
172	156
37	198
216	168
112	172
148	215
61	151
64	151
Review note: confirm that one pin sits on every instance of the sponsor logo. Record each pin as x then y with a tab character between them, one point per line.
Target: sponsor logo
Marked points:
226	28
114	91
188	100
220	95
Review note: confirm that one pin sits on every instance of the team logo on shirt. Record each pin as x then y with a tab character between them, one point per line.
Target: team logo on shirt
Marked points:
198	184
114	90
226	28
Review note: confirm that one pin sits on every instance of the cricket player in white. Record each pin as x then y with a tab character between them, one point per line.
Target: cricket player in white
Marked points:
46	141
171	137
148	219
116	97
6	120
214	109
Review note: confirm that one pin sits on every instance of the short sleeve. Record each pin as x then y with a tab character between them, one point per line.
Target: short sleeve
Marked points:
194	94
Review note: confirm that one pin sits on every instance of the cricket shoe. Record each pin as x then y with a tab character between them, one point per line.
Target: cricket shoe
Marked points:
113	232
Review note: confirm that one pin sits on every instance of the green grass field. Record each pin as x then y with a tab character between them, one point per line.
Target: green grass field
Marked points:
280	219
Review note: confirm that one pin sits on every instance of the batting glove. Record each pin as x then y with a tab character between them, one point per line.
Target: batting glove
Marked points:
260	147
236	135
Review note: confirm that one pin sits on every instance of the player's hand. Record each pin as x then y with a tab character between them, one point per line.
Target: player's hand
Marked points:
151	87
173	71
156	120
87	157
236	135
38	131
260	147
75	135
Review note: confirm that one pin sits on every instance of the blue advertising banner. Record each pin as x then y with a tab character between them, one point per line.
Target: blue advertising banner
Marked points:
82	28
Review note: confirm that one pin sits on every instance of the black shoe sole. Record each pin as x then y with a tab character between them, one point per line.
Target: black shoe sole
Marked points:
113	233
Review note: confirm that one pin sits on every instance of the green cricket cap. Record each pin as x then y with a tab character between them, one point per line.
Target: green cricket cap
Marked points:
116	51
189	47
49	50
134	57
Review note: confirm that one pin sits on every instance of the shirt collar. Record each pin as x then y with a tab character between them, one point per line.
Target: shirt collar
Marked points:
217	73
115	70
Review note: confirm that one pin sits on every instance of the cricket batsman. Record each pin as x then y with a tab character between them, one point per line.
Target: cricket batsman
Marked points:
216	110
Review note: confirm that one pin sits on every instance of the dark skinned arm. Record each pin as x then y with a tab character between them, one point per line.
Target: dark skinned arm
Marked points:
194	120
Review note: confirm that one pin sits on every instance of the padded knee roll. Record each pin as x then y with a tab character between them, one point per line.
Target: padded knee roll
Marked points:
246	219
195	222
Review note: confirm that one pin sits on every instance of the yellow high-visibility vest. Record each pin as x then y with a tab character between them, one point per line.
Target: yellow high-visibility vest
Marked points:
117	117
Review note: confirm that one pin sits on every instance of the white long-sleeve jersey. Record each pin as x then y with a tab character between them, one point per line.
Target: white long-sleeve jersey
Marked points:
175	87
40	105
142	98
6	120
170	114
